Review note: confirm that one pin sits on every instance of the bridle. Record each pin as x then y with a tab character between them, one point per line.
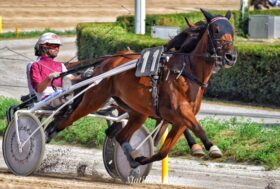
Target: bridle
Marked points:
212	53
214	46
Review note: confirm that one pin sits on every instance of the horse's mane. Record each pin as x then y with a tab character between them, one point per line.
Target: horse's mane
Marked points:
187	40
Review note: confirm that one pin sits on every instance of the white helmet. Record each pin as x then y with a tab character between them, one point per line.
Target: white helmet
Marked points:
50	38
45	38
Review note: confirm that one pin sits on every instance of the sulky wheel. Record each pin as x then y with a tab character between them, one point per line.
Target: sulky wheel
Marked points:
28	160
124	171
108	156
109	146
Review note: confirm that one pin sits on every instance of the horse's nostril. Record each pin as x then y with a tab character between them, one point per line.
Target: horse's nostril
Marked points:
231	56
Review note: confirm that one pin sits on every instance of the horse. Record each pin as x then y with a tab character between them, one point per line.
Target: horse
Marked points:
181	86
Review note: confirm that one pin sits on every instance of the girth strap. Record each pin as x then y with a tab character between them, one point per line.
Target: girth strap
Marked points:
155	96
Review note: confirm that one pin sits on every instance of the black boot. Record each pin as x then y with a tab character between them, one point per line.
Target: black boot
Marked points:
113	129
50	132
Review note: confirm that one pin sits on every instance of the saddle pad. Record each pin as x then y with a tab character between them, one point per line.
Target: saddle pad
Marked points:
148	63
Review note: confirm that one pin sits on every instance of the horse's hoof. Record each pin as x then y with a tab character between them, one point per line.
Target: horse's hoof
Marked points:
127	151
140	160
197	151
215	152
134	163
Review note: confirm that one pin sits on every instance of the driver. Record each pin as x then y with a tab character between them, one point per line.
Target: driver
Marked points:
45	69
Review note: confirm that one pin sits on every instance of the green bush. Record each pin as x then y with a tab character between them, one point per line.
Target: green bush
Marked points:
255	77
86	131
95	40
28	34
178	20
5	103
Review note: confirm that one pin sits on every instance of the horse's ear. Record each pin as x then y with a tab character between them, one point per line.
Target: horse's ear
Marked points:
189	23
207	15
228	15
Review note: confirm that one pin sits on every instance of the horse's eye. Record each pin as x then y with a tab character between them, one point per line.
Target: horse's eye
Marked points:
216	30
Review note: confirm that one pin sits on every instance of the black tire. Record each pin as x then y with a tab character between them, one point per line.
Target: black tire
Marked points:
108	156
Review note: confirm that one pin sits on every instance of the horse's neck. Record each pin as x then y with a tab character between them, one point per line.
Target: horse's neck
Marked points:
202	69
200	65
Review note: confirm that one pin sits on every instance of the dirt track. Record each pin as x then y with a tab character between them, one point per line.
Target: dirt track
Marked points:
74	167
9	181
65	14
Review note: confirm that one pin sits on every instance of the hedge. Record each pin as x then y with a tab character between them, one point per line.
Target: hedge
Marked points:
127	22
97	39
255	78
178	20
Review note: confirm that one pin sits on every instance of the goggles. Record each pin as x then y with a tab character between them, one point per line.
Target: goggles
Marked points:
53	46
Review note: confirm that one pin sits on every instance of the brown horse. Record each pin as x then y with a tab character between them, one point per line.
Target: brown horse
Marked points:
181	86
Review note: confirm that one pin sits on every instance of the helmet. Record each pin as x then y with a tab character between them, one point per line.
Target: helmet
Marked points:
50	38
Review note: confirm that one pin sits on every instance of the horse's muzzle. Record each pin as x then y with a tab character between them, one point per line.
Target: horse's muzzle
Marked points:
230	59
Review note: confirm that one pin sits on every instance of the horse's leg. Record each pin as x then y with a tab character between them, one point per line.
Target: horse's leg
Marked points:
161	131
214	151
266	4
196	149
135	121
182	118
174	134
170	140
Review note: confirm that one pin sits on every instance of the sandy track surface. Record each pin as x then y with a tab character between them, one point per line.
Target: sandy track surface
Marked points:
66	14
74	167
9	181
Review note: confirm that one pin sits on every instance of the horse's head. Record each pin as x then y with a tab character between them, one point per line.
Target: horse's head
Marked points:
220	39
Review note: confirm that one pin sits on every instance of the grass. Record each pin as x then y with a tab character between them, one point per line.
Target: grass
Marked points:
5	103
31	34
87	132
245	142
242	142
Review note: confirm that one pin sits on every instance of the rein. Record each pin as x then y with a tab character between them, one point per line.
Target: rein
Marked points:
93	64
187	74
